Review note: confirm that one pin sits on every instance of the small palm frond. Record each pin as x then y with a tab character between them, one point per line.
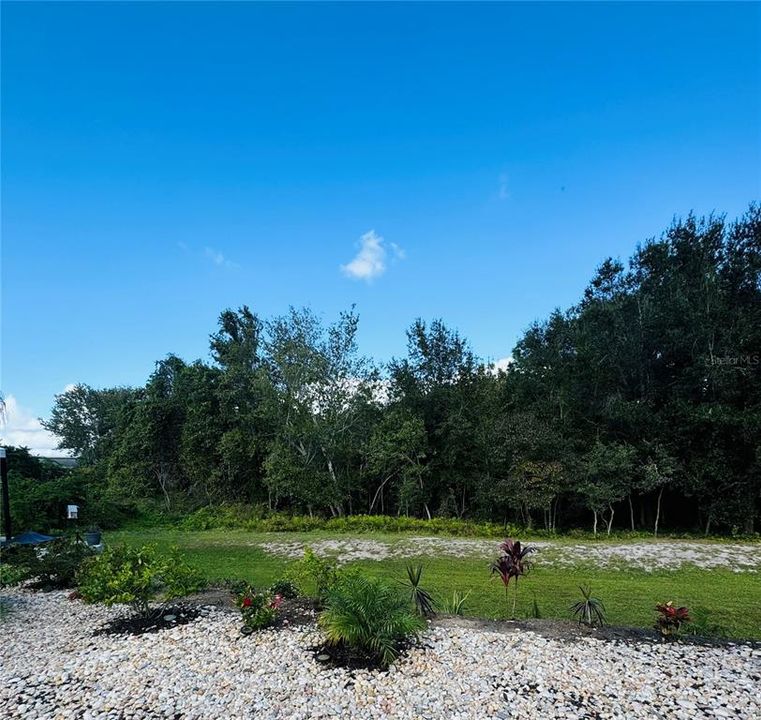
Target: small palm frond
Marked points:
370	615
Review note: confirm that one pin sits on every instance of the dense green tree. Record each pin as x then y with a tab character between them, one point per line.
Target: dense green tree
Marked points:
641	402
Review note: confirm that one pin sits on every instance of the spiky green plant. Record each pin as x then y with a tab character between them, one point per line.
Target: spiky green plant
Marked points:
456	604
368	614
589	610
421	598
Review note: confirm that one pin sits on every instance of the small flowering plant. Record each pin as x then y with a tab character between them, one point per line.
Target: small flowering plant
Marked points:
259	609
670	619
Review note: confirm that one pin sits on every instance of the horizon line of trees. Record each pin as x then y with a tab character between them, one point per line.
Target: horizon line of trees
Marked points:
640	407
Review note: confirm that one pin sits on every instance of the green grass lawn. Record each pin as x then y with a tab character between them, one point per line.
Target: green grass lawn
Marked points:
721	601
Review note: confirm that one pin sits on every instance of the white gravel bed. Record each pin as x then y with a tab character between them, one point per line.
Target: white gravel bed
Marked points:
646	556
52	666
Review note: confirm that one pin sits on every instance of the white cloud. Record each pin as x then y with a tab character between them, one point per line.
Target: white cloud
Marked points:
218	258
504	189
370	261
501	364
21	428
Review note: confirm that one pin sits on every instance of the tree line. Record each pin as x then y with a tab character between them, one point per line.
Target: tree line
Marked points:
640	407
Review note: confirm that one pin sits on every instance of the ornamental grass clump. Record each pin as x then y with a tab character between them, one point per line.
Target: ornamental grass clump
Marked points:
370	616
511	565
258	609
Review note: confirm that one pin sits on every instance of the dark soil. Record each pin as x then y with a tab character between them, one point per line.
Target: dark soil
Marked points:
293	612
160	619
345	657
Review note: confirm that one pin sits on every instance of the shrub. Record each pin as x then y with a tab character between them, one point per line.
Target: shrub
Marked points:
137	576
13	574
313	575
512	564
258	609
456	604
285	588
55	565
670	619
702	624
369	615
421	598
589	610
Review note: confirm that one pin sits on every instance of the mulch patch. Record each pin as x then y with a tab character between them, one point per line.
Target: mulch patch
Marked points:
293	612
343	656
160	619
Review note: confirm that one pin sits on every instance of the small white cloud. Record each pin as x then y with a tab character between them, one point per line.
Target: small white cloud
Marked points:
370	261
218	258
504	188
500	365
21	428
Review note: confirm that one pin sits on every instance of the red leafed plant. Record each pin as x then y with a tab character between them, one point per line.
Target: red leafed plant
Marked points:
512	564
258	609
670	618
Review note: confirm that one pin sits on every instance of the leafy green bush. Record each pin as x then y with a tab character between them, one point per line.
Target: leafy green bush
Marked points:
55	565
313	576
137	576
258	609
704	625
369	615
212	517
13	574
285	588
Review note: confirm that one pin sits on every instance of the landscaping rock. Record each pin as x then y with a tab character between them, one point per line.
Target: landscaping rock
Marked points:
54	664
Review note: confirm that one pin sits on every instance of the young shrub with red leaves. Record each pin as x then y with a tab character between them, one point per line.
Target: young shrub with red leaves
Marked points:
511	565
670	619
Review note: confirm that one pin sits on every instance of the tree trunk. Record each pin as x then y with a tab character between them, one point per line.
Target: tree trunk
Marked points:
657	512
594	524
631	511
610	520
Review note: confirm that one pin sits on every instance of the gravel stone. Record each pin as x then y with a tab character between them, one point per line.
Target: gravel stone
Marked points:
53	666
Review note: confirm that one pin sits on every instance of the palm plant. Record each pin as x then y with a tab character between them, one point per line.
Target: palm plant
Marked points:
369	615
421	598
512	564
589	610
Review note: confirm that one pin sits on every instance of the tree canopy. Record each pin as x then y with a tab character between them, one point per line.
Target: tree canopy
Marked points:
640	405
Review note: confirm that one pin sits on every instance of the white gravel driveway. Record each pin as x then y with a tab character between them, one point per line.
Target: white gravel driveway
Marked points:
648	556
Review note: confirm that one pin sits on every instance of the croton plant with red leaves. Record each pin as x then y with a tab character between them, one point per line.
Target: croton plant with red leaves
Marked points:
671	618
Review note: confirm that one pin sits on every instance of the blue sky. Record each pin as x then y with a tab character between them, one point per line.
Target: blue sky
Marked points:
161	162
